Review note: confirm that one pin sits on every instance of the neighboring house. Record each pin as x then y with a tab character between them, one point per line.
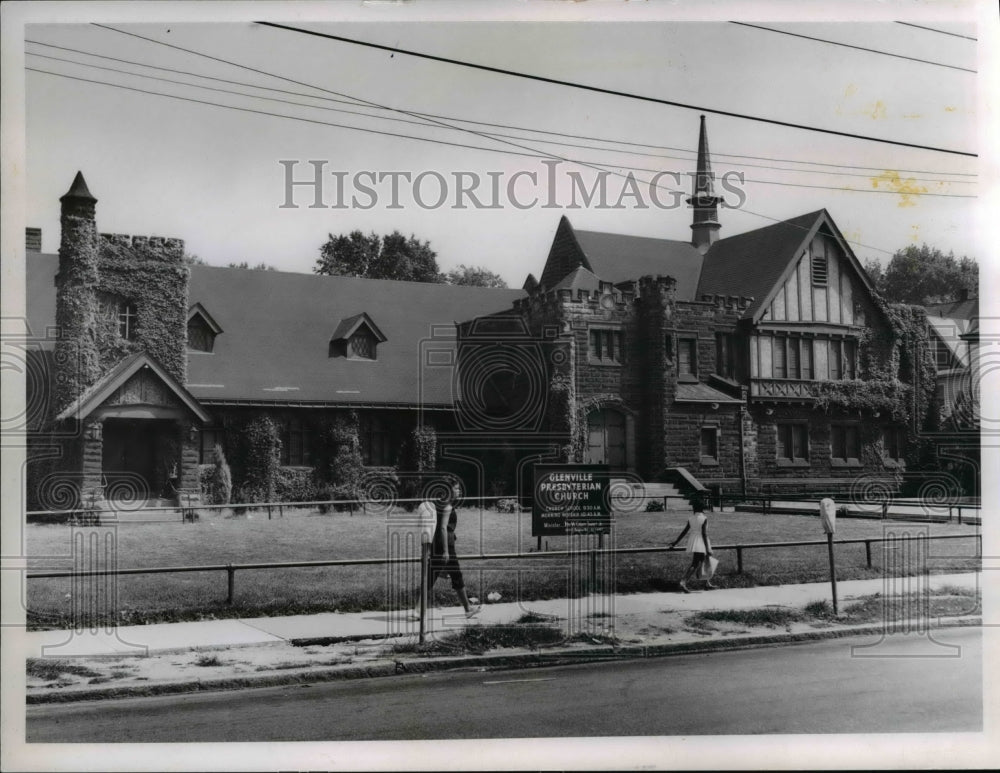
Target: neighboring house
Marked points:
949	324
954	341
762	360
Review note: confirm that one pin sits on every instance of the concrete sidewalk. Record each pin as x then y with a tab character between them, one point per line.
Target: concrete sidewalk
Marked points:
331	627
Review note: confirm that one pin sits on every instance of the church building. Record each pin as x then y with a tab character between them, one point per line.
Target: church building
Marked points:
759	361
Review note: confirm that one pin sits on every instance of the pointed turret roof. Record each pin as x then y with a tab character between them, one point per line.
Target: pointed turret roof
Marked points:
704	181
705	224
78	190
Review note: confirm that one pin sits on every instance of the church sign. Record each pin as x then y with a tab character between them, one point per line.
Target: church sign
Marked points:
570	499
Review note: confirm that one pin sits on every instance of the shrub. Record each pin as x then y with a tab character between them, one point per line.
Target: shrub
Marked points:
654	506
419	455
220	487
508	506
255	459
294	484
339	466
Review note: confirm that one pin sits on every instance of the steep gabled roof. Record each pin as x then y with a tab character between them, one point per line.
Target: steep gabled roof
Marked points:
579	279
756	263
564	255
752	263
619	258
277	323
350	325
105	387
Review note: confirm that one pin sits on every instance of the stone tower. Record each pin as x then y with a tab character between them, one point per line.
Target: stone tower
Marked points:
77	361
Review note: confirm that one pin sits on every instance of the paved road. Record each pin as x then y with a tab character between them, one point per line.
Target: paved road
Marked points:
811	688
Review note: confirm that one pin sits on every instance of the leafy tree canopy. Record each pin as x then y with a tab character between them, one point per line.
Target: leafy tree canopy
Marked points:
474	276
924	275
393	256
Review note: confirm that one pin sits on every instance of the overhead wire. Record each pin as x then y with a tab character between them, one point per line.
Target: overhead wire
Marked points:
597	165
353	102
431	121
489	134
933	29
613	92
849	45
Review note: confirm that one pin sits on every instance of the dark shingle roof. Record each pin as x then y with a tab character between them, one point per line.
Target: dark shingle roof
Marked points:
618	258
750	264
278	326
579	279
967	309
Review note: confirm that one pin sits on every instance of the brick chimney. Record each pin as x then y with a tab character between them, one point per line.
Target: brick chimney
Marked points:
33	239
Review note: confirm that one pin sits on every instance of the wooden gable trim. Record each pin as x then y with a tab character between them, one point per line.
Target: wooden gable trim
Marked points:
104	389
346	328
197	310
822	219
786	273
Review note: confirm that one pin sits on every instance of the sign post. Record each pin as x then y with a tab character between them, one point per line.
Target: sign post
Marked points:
828	516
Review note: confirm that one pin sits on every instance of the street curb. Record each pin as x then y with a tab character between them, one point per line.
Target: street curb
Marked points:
397	667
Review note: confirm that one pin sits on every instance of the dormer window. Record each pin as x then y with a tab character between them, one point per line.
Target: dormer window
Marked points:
201	330
361	345
356	338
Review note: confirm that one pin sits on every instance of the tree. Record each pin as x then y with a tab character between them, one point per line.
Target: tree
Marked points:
393	256
923	275
247	266
474	276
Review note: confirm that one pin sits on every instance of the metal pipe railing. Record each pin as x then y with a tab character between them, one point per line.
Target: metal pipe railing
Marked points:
231	569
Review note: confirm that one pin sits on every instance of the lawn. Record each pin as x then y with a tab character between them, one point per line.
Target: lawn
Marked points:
313	537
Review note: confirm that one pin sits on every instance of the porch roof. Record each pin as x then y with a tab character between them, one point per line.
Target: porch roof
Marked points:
96	395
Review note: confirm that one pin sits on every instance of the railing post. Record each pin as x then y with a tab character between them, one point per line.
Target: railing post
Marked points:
868	552
231	578
269	512
885	509
959	515
739	560
425	553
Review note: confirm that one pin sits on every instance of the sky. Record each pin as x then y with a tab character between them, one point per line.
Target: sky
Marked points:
214	176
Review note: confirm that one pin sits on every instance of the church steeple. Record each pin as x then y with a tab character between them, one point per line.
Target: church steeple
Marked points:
705	226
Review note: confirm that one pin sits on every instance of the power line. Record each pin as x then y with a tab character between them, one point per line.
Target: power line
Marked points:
354	102
597	165
614	92
489	134
183	72
478	134
848	45
932	29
